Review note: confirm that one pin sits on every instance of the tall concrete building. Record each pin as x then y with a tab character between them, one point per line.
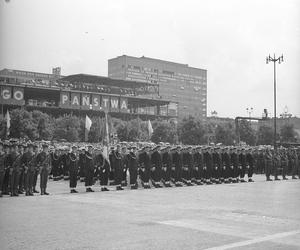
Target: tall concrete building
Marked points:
177	82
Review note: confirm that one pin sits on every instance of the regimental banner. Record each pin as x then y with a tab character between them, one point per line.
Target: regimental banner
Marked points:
12	95
93	101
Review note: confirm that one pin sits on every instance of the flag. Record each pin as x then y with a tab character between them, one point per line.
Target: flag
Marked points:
7	123
88	124
150	129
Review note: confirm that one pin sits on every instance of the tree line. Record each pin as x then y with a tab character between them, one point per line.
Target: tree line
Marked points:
36	125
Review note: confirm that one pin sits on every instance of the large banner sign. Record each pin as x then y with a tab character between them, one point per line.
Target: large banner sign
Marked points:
12	95
93	101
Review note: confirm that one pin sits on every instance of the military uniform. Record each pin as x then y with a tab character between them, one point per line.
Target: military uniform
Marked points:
250	165
2	168
117	166
89	170
166	167
15	172
103	167
55	159
44	164
27	161
72	166
156	167
176	167
133	169
145	165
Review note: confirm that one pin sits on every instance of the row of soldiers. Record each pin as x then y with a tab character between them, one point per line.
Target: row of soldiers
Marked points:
161	165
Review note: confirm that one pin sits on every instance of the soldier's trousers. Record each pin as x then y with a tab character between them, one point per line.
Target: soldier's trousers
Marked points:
104	173
216	172
207	173
21	180
14	181
118	176
269	166
223	172
55	171
124	175
250	171
44	178
197	174
29	176
89	177
133	175
73	178
242	171
144	175
66	171
156	175
186	174
5	185
35	177
2	174
166	174
178	173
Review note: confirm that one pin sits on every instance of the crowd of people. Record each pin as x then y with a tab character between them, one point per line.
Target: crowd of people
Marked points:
126	164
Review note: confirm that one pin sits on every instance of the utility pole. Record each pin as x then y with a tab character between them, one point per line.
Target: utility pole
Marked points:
274	60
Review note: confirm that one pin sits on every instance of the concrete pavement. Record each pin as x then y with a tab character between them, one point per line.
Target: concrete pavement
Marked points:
259	215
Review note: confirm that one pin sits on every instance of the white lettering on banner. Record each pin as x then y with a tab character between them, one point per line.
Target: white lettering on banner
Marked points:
114	103
105	102
75	100
64	98
85	100
18	95
95	101
6	94
123	104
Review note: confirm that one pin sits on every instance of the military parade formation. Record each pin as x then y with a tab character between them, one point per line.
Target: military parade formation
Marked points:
144	165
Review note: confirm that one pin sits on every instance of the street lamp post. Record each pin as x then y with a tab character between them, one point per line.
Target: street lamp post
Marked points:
249	111
274	60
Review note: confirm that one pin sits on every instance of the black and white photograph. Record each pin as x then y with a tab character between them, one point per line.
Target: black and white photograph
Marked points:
149	124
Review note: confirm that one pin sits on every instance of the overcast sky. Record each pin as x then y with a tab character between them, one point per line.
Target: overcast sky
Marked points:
230	39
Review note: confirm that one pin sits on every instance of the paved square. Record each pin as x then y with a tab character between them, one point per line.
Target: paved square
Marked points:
259	215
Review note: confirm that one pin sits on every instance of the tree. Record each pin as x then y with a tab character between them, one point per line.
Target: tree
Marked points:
191	131
23	125
225	134
247	133
45	125
164	132
67	127
288	133
265	135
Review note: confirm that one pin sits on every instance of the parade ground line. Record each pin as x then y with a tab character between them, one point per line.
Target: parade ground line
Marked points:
260	215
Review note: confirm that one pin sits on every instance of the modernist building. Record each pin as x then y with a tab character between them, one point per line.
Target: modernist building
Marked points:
82	94
178	82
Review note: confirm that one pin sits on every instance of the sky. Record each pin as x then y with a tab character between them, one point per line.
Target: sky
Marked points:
229	38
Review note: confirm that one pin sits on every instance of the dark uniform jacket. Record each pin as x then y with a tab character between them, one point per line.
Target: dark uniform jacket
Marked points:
44	161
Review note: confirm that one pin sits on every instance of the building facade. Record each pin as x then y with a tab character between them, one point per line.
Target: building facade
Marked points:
81	94
180	83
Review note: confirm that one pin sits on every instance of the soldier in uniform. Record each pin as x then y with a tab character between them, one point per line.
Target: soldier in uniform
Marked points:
7	165
117	166
2	167
208	165
187	165
234	165
55	164
44	164
250	164
156	167
133	167
177	166
36	168
27	161
166	166
63	163
243	164
226	166
284	163
217	165
89	169
15	170
72	166
22	148
125	166
145	165
268	163
81	163
103	169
